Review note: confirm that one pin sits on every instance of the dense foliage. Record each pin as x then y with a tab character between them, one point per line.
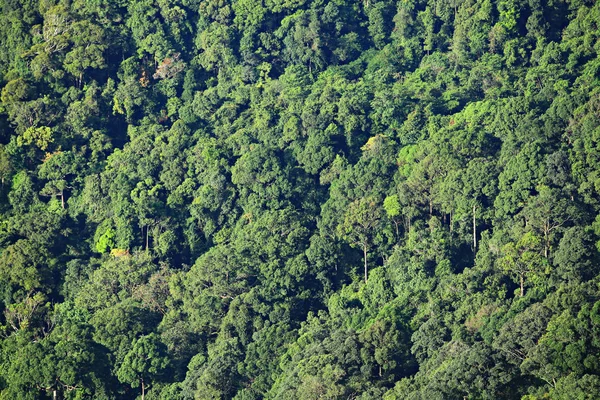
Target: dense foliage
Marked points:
292	199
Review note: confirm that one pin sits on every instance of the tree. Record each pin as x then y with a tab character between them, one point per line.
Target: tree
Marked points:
87	52
27	267
22	194
56	168
360	223
518	336
478	188
524	259
393	208
146	361
146	198
41	137
386	341
548	212
219	377
6	167
303	40
576	255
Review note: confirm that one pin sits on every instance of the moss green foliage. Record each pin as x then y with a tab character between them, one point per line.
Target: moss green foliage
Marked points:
294	199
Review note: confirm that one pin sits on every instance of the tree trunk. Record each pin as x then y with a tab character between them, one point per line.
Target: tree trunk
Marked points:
474	230
54	395
522	284
365	258
143	388
147	229
546	240
62	199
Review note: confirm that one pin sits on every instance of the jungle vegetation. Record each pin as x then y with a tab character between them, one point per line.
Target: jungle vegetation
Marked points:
293	199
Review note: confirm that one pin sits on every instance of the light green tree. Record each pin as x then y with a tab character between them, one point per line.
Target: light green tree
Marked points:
359	225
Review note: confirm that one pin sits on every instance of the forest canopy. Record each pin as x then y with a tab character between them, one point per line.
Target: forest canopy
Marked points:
293	199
